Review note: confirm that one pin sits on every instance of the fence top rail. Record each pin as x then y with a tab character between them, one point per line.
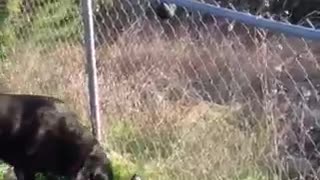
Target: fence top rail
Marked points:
260	22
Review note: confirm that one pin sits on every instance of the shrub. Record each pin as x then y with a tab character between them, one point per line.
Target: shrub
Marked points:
50	21
8	11
39	21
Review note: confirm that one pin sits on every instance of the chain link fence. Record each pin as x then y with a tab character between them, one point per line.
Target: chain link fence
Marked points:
183	95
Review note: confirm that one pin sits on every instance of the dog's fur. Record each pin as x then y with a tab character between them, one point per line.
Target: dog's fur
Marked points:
37	135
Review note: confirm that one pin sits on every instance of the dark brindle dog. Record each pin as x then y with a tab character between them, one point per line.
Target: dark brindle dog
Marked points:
38	134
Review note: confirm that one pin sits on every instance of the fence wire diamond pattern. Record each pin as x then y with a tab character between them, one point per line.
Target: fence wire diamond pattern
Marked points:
183	95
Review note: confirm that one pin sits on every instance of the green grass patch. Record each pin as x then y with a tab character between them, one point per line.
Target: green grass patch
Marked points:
211	148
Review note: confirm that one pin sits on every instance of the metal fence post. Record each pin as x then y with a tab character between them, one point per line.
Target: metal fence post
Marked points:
91	68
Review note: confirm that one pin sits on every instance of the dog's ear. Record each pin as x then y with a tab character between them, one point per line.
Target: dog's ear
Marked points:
98	165
100	173
80	176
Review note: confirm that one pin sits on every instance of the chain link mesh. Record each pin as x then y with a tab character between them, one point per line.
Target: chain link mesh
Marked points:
189	97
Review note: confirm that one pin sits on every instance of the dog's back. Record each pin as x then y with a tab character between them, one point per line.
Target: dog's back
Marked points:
27	102
39	134
19	124
61	144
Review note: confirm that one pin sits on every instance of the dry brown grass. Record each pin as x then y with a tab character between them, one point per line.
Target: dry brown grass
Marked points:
59	73
154	96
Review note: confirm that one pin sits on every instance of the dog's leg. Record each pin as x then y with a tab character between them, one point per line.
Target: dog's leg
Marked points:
24	175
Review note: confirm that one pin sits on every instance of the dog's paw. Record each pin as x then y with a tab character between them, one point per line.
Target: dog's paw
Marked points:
136	177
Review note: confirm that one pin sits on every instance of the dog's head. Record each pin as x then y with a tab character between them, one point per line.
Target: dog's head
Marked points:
97	166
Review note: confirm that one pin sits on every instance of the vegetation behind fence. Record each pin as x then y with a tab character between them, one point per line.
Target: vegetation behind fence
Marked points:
189	97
